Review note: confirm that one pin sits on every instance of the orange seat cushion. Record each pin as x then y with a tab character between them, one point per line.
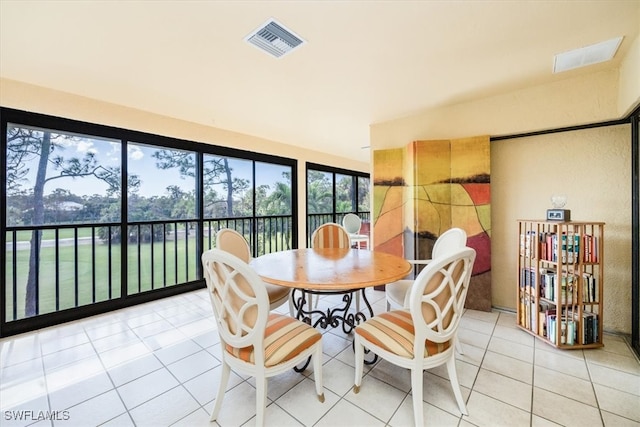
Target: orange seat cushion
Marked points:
393	331
285	337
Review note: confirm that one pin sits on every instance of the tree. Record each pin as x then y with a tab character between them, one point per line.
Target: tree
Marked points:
27	146
216	170
319	193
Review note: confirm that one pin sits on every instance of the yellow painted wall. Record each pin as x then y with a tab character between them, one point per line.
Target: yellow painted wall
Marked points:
591	166
26	97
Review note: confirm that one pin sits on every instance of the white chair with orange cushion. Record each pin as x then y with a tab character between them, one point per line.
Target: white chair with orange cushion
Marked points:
332	235
422	336
397	293
254	341
231	241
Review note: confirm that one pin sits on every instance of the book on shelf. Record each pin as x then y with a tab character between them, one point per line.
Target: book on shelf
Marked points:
547	282
527	244
567	330
589	288
570	248
591	248
589	328
528	279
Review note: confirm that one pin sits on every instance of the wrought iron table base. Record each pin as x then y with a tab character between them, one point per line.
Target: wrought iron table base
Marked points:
331	317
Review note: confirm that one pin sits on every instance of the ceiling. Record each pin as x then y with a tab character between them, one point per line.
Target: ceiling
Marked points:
362	62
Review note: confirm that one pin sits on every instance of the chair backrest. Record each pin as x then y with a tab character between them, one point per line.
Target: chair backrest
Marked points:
351	222
231	241
449	241
239	299
330	235
437	297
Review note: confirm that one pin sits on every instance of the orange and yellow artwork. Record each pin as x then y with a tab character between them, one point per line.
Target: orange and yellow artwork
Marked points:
427	187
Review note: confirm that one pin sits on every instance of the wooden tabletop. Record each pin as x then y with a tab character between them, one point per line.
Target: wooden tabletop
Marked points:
330	269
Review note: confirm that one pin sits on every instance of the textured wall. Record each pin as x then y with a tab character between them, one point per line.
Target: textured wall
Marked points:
593	168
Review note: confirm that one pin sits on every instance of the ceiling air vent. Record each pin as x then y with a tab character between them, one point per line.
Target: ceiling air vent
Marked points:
274	38
588	55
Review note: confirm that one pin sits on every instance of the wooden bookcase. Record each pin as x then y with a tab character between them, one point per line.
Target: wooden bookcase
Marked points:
560	282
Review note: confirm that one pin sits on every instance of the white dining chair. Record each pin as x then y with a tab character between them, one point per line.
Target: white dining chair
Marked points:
231	241
254	341
423	335
352	223
397	293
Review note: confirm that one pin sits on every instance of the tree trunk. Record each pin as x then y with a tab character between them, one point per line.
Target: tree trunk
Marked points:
227	171
31	297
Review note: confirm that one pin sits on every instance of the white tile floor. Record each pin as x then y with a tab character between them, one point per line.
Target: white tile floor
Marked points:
158	364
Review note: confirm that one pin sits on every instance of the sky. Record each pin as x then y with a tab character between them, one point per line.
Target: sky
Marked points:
140	162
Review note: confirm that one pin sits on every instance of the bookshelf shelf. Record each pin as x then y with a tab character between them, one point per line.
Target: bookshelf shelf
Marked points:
560	282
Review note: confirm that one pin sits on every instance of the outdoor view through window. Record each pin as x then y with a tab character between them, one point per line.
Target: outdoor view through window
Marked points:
71	242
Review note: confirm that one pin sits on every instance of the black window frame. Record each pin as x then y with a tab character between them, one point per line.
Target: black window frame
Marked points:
125	136
335	216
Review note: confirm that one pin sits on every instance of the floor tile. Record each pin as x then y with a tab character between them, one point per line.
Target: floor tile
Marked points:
147	387
613	420
193	365
614	378
438	392
514	335
486	411
504	389
467	336
302	403
376	397
562	362
205	386
95	411
347	414
79	391
509	348
164	409
159	364
508	366
613	360
131	370
565	385
432	415
562	410
618	402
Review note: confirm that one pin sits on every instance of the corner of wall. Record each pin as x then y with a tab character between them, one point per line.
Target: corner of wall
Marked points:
629	80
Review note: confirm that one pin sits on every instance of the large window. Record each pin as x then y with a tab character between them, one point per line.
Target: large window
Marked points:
96	218
332	193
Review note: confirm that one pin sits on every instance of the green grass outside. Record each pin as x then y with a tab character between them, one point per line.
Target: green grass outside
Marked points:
174	273
63	233
166	272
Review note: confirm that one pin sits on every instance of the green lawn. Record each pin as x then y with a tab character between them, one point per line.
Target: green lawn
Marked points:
169	266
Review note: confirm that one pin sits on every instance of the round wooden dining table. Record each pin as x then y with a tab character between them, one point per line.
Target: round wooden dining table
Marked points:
330	271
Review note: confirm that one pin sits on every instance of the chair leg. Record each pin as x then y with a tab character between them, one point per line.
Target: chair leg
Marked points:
357	295
292	311
261	399
459	348
317	373
455	385
224	380
416	392
359	359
